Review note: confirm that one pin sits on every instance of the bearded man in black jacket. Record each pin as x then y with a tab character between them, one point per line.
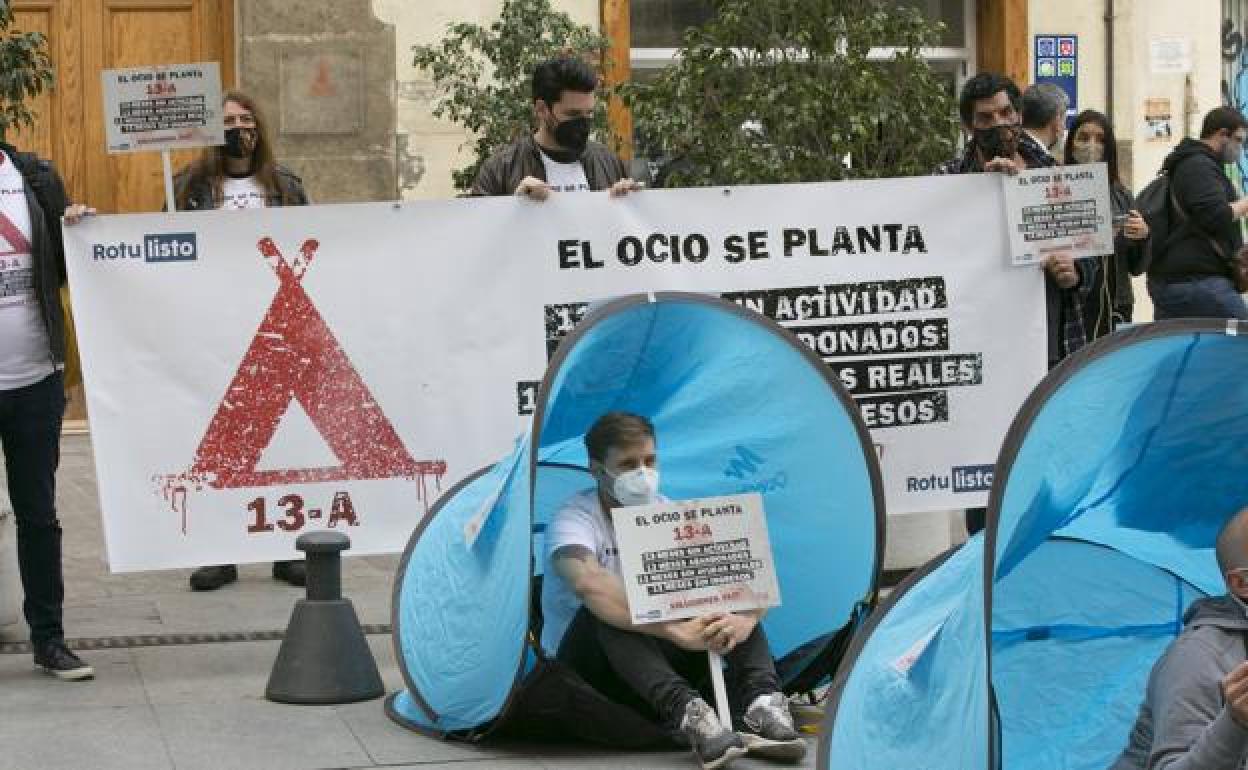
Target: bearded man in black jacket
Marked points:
1193	268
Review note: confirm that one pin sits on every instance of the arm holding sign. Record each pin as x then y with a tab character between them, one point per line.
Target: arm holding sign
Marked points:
1062	269
602	591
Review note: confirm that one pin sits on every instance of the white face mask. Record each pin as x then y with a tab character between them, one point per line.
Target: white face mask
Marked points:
1087	152
635	487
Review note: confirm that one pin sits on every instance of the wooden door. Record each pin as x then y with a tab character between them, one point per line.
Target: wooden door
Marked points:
86	37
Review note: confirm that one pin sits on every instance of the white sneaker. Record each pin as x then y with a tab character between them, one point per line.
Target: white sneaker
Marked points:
714	744
769	730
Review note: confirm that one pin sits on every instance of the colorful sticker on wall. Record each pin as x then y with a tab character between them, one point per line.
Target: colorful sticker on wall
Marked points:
1056	61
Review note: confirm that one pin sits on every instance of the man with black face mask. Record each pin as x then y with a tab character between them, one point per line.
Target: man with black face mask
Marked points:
990	106
559	156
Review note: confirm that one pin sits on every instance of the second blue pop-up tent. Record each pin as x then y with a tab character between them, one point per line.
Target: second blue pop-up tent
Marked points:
1029	647
739	406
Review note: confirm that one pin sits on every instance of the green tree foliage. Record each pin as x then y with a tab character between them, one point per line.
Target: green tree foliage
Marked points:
25	72
785	91
484	74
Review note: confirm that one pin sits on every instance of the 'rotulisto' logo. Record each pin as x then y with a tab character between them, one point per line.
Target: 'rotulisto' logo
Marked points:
155	247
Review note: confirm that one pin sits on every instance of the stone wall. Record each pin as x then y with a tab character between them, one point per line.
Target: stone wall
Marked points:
323	72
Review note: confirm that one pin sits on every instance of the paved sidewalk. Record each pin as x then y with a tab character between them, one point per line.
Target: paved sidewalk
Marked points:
201	705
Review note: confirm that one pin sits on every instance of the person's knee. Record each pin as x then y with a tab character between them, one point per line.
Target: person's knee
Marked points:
609	635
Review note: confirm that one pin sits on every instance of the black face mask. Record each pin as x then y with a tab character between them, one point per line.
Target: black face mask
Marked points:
234	143
572	134
998	141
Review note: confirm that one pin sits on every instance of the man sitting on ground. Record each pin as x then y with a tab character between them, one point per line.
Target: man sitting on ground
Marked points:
1195	711
649	667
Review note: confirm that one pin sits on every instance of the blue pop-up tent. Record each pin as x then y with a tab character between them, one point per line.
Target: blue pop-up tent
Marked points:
1029	647
739	406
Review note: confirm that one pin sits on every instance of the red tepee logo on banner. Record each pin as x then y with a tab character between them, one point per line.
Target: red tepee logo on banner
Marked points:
295	356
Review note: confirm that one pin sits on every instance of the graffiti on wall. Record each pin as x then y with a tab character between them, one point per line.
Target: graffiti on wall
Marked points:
1235	63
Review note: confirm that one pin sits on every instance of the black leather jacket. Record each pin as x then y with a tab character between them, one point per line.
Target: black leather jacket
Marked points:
47	201
505	169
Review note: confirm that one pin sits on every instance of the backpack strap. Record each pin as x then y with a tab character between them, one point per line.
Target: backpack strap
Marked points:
1190	224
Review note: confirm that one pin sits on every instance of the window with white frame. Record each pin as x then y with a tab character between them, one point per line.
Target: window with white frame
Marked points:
657	27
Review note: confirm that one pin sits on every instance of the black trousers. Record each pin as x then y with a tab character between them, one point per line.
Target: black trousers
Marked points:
30	433
656	677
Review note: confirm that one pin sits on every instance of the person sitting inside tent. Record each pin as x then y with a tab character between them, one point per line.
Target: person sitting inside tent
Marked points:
650	667
1195	711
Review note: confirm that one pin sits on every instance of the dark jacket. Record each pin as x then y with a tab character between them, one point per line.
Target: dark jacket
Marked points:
47	201
1114	295
1183	723
1205	193
505	169
203	197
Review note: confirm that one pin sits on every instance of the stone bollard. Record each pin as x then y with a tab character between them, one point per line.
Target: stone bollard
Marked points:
324	657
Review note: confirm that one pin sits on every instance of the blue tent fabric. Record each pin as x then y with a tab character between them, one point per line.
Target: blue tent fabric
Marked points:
916	694
739	405
1110	489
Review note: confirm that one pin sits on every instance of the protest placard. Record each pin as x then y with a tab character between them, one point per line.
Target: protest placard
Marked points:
165	107
1059	209
685	558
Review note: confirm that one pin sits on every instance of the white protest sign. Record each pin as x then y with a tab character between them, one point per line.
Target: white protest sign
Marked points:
277	370
685	558
1059	209
1170	55
166	107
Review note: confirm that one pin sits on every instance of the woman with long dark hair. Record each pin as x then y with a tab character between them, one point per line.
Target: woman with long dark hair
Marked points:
241	174
1091	140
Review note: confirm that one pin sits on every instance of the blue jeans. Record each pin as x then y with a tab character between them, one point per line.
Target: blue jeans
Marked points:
30	433
1208	296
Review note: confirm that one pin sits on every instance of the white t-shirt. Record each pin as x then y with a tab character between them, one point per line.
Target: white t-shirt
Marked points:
25	353
580	521
565	177
242	193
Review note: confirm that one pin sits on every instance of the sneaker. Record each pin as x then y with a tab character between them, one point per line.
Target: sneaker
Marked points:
293	572
212	578
769	730
56	659
714	744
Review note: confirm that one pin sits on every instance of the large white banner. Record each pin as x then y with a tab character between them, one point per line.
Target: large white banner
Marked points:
255	374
